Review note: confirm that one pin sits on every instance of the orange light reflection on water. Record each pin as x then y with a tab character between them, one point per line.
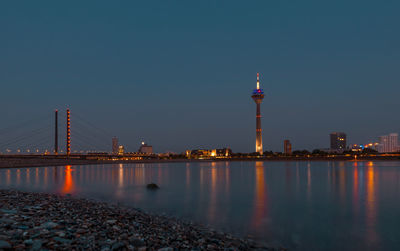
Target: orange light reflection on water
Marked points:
260	198
356	199
18	177
213	193
8	177
371	203
69	186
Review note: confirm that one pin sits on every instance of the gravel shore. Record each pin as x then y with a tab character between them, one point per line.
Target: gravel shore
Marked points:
38	221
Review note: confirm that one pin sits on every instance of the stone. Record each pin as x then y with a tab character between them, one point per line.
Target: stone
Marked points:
152	186
4	244
62	240
52	222
49	225
166	249
137	242
28	242
7	211
117	246
7	221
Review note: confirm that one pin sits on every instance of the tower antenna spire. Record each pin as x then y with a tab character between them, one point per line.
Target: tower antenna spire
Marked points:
258	81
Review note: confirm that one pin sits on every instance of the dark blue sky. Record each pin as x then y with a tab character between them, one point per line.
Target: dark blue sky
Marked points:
179	74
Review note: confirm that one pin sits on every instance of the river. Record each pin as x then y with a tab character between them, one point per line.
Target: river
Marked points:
316	205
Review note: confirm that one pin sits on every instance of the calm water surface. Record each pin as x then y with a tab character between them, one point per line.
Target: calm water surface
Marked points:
300	205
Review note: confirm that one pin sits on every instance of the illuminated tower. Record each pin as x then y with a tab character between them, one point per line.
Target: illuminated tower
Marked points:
258	96
68	133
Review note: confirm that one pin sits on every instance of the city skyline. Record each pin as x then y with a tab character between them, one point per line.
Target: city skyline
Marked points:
179	83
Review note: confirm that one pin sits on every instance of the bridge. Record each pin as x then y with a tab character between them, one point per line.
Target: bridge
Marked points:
35	142
40	136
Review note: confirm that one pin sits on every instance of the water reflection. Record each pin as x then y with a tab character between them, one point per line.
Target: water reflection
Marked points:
213	193
371	205
68	187
18	177
27	177
260	198
356	195
346	205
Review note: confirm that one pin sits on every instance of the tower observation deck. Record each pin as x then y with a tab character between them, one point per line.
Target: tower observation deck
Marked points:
258	96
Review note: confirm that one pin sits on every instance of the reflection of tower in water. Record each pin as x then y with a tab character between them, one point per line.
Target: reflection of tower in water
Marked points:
260	210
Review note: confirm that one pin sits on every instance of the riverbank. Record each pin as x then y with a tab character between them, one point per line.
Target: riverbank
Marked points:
45	221
13	161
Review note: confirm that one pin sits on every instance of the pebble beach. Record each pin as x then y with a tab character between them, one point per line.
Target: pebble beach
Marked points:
39	221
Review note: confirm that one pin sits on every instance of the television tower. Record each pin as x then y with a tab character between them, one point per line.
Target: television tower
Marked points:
258	96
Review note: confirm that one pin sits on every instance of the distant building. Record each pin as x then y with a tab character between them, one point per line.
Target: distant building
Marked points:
121	150
287	147
224	152
115	145
338	141
207	153
388	143
144	148
357	148
372	145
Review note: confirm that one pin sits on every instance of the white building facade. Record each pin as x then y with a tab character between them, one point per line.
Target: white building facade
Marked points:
389	143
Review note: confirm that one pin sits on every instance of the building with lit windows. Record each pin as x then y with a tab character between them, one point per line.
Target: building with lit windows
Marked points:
388	143
287	147
338	141
146	149
115	145
209	153
121	150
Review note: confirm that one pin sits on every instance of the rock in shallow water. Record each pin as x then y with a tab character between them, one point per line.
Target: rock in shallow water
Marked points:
152	186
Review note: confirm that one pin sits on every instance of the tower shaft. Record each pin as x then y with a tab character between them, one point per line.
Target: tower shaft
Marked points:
258	96
259	144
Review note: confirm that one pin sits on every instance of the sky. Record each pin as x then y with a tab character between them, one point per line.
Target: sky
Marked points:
179	74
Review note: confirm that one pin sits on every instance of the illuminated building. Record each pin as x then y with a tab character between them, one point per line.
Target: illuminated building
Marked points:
388	143
144	148
206	153
115	145
258	96
338	141
357	148
121	150
224	152
372	145
287	147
